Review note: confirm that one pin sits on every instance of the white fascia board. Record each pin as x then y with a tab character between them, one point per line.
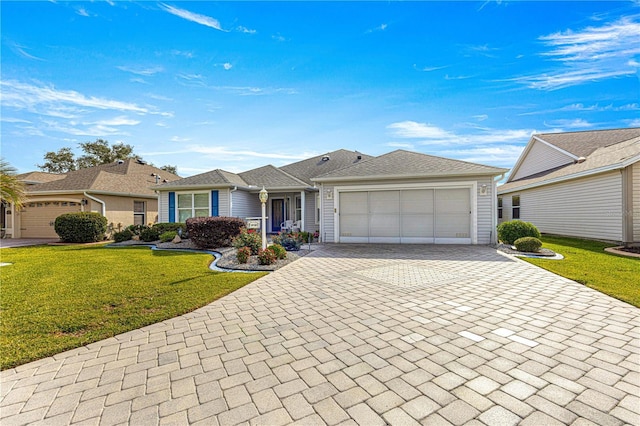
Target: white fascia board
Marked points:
198	187
573	176
82	191
567	153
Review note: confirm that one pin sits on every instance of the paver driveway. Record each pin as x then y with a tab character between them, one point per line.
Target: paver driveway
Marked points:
359	334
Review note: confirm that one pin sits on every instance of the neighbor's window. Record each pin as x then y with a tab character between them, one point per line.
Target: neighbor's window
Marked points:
317	209
139	212
193	205
298	209
499	207
515	207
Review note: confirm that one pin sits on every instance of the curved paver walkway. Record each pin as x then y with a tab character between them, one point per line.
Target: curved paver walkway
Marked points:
359	334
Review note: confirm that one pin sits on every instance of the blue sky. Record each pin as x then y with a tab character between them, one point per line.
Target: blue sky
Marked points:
237	85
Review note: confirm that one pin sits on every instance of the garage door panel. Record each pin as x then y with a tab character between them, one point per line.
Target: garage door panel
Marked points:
36	220
417	201
354	203
384	225
384	202
354	225
418	226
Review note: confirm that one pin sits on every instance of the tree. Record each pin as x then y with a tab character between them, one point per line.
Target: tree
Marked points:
170	169
11	189
99	152
62	161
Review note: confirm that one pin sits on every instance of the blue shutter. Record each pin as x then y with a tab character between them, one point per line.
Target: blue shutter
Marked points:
214	203
172	207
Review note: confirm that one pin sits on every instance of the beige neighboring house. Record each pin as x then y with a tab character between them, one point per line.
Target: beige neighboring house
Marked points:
578	184
119	191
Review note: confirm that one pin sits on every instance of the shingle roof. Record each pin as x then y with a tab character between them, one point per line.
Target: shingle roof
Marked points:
39	177
582	144
308	169
128	177
605	158
213	178
271	177
407	164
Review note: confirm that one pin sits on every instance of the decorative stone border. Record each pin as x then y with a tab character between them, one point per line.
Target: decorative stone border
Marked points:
616	250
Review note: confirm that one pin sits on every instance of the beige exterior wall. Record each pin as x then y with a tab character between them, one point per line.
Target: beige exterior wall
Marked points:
636	202
485	212
590	207
119	210
541	157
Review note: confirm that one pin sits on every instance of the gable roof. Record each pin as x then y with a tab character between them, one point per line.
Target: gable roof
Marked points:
603	159
271	177
310	168
128	177
214	178
582	144
406	164
31	178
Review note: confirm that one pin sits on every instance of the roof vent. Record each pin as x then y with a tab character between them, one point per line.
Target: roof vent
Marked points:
139	161
119	161
326	158
581	160
359	157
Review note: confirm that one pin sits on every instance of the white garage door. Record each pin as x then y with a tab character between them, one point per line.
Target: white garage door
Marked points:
36	219
406	216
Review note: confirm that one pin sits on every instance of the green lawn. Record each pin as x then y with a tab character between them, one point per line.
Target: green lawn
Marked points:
55	298
586	262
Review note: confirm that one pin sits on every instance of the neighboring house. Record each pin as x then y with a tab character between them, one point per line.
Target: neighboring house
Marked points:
579	184
400	197
121	191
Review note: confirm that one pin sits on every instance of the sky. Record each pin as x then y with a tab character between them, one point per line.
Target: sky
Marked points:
238	85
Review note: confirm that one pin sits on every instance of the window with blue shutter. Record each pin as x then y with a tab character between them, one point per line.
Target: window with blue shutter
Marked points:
214	203
172	207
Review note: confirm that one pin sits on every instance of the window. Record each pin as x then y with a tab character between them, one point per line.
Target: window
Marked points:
139	213
317	208
515	207
499	207
193	205
298	215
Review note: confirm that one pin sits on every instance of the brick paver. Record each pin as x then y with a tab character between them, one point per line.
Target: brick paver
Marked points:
356	334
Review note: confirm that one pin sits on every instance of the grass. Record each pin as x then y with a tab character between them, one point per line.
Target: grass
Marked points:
586	262
56	298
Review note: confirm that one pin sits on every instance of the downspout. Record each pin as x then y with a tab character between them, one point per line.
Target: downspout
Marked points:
102	203
231	191
494	209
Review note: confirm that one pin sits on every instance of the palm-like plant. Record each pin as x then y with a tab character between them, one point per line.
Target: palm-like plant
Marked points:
11	189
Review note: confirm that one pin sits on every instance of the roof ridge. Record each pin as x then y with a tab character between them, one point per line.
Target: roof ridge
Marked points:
292	176
588	131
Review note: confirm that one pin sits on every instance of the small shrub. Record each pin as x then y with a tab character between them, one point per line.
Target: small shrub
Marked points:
121	236
213	232
243	254
173	226
528	244
509	232
266	256
250	239
148	234
290	242
81	227
135	229
167	236
305	237
279	251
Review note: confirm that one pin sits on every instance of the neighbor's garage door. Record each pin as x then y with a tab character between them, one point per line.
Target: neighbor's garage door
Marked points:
36	220
406	216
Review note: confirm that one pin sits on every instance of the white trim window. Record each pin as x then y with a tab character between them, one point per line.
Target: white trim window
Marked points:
515	207
318	208
192	205
139	212
298	212
499	207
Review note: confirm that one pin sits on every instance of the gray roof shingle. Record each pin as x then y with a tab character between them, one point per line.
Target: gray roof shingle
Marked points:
271	177
407	164
217	177
310	168
582	144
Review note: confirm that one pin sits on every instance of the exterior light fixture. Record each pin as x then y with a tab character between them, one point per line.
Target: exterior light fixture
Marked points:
264	196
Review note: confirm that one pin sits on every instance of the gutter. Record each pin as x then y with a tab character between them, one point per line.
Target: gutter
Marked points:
80	191
398	177
104	206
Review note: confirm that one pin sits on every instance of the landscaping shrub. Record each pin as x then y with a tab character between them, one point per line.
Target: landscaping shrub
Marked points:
266	256
509	232
167	236
248	238
289	241
213	232
305	237
81	227
165	227
243	254
528	244
121	236
148	234
279	251
135	229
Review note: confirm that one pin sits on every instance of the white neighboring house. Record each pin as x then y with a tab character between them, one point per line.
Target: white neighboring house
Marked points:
578	184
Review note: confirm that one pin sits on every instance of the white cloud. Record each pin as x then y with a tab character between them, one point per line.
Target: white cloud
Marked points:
179	139
227	66
380	27
401	145
634	123
224	153
590	54
82	12
427	134
502	156
186	54
278	37
256	91
140	70
20	50
245	30
192	16
576	123
117	121
430	69
13	120
481	117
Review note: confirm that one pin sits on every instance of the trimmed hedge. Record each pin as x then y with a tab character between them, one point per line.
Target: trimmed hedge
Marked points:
149	234
528	244
165	237
81	227
509	232
125	235
213	232
165	227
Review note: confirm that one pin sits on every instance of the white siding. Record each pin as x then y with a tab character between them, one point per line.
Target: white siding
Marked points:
245	204
483	205
163	207
310	212
223	202
541	157
587	208
636	202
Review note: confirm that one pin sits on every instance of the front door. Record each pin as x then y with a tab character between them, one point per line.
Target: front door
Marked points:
277	214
